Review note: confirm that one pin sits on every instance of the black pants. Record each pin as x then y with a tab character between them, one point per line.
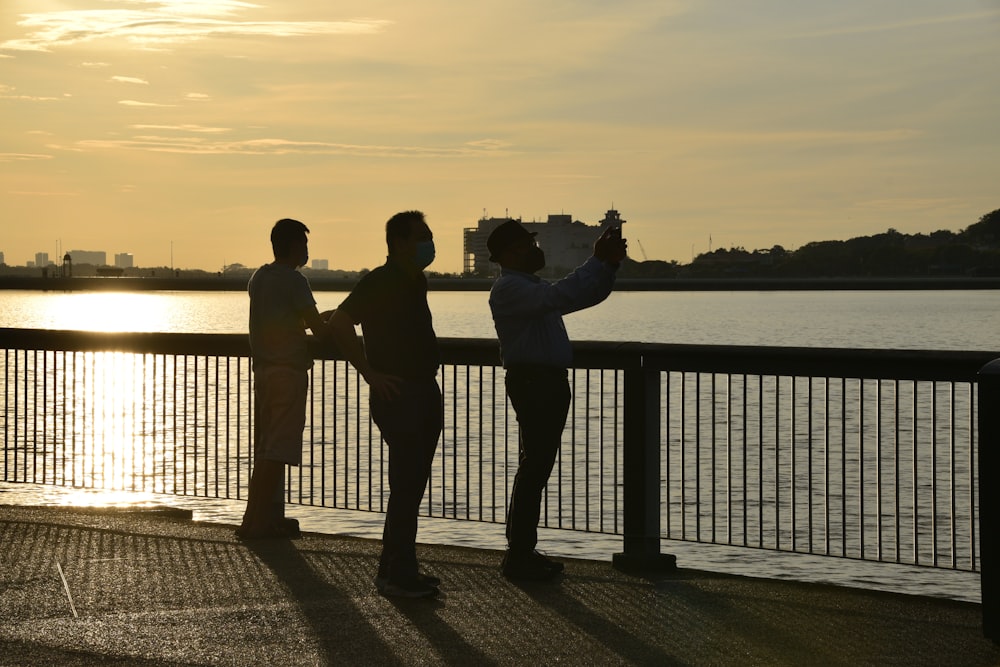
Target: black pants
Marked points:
411	425
541	397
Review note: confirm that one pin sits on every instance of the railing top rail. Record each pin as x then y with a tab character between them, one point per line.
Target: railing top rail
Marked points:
944	365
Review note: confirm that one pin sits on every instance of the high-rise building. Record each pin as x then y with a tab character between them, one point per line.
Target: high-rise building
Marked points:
124	260
567	243
41	259
321	264
2	262
94	257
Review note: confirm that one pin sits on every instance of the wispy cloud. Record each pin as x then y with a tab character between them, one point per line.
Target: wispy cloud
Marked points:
137	103
6	93
199	146
129	79
183	128
165	22
42	193
23	157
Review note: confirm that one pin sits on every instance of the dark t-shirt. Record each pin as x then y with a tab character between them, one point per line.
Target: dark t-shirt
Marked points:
391	307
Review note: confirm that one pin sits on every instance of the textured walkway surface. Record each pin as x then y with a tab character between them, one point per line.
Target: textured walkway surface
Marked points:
146	588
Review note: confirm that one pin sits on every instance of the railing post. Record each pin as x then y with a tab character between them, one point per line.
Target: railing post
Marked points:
989	497
641	475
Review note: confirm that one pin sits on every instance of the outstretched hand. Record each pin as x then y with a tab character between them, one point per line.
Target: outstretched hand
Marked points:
611	247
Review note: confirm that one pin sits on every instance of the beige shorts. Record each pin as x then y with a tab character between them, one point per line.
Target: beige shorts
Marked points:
280	399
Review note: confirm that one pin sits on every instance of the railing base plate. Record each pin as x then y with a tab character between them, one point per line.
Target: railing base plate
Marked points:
655	562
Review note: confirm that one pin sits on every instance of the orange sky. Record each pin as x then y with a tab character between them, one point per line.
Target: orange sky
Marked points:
137	125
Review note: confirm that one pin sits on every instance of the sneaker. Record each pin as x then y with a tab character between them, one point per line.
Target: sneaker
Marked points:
413	588
381	580
428	579
531	566
546	562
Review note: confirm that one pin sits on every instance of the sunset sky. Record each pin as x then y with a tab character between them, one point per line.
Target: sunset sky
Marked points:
144	125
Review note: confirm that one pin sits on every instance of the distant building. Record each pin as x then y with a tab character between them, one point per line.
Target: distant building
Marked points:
321	265
2	262
94	257
567	243
41	259
124	260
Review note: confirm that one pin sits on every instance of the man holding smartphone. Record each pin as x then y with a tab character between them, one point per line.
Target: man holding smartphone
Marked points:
536	353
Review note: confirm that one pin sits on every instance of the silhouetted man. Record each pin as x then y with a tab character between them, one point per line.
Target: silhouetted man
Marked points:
400	362
281	308
536	352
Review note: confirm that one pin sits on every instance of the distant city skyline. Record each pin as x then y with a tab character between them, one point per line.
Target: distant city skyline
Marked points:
469	264
180	131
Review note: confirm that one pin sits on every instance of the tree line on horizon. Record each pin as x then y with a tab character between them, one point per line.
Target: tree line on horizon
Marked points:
974	251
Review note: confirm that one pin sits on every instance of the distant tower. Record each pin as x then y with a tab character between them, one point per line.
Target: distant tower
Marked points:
612	219
67	269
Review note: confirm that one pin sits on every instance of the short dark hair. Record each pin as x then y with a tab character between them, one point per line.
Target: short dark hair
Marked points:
399	225
285	232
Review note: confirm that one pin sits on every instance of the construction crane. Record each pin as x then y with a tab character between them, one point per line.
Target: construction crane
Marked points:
642	250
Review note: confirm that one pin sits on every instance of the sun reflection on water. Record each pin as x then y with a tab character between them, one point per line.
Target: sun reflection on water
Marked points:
101	498
110	311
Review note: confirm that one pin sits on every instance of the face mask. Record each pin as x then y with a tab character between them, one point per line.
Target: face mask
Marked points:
425	254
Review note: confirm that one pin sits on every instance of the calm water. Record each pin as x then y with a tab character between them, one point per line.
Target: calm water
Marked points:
945	320
963	320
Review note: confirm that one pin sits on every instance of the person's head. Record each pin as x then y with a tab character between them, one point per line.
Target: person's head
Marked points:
513	247
289	242
409	239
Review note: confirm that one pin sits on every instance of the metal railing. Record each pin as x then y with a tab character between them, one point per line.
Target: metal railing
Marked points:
849	453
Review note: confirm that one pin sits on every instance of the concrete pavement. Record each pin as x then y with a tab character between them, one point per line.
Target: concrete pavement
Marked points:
154	588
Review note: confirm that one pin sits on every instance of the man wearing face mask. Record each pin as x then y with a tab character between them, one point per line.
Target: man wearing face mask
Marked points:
536	353
399	361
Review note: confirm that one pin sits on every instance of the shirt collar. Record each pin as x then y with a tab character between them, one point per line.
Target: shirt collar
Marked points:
504	271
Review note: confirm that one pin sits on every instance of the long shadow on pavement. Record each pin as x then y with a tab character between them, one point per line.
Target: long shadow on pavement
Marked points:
337	625
629	646
450	645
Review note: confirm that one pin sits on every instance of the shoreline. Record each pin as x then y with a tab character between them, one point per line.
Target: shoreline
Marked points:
222	284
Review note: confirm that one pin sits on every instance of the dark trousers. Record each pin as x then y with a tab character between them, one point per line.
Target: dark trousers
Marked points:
541	397
411	425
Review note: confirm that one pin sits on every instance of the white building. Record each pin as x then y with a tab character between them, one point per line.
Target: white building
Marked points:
124	260
567	243
94	257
